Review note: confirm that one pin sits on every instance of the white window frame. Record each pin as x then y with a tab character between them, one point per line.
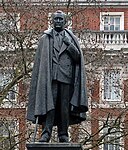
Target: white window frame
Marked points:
101	147
69	21
121	14
49	20
102	86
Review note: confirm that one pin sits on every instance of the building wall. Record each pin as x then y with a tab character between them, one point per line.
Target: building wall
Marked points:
89	18
83	19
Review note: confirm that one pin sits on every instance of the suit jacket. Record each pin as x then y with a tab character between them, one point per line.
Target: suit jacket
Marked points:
63	62
40	95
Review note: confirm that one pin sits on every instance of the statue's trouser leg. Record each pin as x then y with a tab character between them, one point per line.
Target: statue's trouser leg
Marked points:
49	122
63	102
47	127
51	114
61	97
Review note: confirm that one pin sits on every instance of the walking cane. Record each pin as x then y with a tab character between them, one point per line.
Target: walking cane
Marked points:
35	130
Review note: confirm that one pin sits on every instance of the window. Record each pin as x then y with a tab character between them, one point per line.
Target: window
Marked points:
112	21
111	142
112	85
8	132
9	21
112	135
4	81
111	146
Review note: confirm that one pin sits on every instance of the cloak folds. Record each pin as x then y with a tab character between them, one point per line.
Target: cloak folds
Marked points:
40	94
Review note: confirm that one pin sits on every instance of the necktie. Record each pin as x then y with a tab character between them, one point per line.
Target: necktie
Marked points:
59	39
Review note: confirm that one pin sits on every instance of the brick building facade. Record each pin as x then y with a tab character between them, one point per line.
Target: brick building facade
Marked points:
102	29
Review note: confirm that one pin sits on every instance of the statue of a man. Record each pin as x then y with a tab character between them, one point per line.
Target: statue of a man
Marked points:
57	91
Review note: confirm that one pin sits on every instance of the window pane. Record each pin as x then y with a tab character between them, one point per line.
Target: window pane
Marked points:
11	94
106	20
112	27
105	147
117	21
111	20
106	27
111	147
117	27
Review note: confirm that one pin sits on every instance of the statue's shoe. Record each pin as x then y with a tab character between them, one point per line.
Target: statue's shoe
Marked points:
45	137
63	139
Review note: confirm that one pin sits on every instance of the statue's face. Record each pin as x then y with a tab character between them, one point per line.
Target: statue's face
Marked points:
59	21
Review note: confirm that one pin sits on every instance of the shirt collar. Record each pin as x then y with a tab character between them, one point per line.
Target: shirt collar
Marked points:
60	33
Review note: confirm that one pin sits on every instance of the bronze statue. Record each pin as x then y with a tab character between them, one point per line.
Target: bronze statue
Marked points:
58	93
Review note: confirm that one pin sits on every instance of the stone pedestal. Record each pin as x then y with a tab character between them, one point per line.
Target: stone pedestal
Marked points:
54	146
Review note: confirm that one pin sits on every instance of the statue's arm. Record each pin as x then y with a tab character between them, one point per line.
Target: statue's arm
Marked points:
73	52
72	49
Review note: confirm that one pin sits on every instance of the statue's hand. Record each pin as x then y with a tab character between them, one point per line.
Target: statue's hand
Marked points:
66	41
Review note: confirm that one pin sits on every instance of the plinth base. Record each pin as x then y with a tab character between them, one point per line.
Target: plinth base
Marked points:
54	146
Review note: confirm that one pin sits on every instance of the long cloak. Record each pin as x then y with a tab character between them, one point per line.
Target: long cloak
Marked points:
40	94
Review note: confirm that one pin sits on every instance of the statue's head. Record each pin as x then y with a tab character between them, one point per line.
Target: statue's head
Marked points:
59	20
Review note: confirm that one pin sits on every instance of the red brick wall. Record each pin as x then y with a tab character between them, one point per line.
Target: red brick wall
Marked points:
86	19
96	91
125	90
